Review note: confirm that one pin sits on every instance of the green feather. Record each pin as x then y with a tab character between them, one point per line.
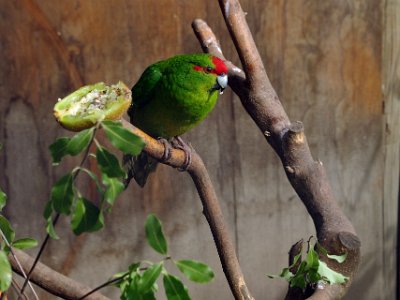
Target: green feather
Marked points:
171	97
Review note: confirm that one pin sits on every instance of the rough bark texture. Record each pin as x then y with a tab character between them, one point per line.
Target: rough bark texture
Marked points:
334	231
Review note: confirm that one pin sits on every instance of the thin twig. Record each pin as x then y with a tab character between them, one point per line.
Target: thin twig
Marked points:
19	264
17	289
107	283
57	216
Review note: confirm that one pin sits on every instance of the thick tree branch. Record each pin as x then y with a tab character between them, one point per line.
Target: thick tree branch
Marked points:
211	210
308	177
52	281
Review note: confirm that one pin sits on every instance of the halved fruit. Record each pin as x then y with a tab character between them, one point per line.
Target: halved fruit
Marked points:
91	104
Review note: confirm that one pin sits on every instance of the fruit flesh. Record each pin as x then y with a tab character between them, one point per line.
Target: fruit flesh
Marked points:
91	104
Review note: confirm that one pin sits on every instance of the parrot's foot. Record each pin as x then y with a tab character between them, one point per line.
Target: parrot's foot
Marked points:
178	143
167	149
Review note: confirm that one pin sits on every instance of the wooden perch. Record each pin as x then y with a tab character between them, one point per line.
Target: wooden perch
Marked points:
307	176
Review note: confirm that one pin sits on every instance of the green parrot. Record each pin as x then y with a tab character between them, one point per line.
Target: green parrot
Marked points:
171	97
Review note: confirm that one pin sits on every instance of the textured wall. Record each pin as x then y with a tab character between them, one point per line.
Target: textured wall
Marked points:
325	60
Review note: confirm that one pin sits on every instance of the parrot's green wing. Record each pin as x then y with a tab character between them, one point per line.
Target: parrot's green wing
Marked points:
141	166
144	89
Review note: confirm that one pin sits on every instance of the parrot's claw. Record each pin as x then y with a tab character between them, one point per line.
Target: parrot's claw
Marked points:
178	143
167	149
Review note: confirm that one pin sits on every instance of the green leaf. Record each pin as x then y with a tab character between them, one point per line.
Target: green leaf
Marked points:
7	230
299	280
131	294
79	141
50	228
149	277
338	258
59	149
108	163
5	272
122	138
112	123
121	276
62	194
330	275
149	295
48	210
154	234
25	243
51	231
196	271
3	199
312	260
86	217
94	178
174	288
133	268
295	260
114	187
313	276
286	274
129	286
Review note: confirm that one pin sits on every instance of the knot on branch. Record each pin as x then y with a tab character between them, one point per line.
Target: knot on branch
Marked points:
291	170
338	242
349	240
295	134
294	149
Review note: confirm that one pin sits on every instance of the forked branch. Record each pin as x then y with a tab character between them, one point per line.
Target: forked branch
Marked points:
307	176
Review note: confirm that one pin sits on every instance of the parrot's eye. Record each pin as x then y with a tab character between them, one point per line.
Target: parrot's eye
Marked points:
208	69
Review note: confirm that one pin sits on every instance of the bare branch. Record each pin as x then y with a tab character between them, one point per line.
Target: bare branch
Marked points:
307	176
213	214
209	44
52	281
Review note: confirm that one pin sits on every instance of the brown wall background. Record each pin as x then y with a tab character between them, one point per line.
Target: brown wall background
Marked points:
334	65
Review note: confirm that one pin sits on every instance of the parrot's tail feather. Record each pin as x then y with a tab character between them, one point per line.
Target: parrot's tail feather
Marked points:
139	167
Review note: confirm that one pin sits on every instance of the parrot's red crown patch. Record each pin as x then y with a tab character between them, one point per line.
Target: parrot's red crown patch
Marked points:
220	67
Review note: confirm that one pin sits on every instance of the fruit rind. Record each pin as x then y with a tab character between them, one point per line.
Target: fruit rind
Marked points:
91	104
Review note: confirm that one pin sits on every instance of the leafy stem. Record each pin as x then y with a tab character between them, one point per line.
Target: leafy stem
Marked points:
57	216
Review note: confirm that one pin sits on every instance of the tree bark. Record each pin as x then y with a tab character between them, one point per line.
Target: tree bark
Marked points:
307	176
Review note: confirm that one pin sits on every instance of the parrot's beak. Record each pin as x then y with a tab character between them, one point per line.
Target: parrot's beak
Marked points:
222	82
